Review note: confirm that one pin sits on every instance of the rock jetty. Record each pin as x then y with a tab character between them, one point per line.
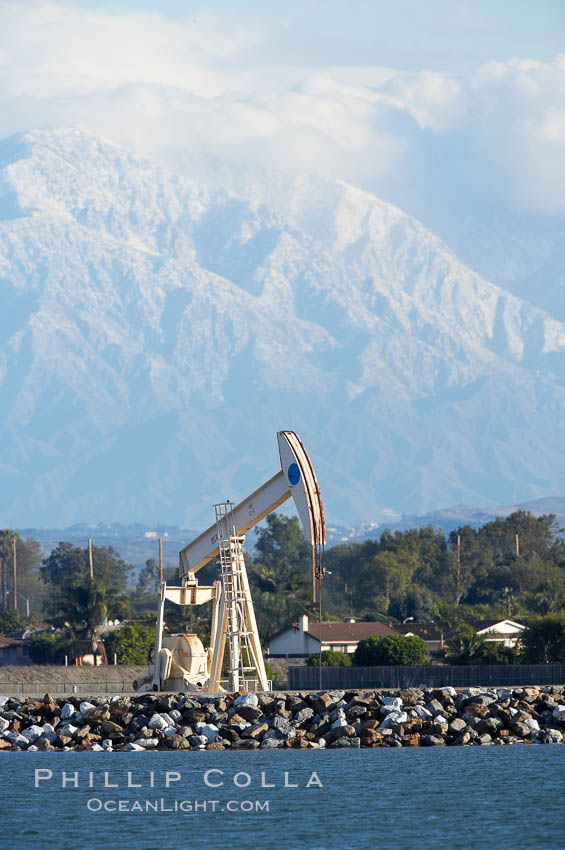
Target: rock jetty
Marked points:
411	717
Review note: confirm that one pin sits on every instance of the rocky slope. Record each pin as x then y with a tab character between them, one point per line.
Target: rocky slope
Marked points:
411	717
154	336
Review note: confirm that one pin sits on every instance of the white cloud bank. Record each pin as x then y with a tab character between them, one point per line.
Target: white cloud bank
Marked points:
184	93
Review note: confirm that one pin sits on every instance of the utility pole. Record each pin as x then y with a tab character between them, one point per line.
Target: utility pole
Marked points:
15	575
517	545
90	558
160	560
458	568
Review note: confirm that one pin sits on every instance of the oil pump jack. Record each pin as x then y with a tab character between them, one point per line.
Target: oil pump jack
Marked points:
180	662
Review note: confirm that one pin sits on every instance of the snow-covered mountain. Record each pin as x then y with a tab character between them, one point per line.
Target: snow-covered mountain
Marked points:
154	335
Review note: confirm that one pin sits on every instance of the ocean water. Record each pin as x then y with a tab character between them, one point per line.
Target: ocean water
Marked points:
478	797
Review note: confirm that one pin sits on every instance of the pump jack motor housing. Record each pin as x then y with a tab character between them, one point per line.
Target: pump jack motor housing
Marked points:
180	662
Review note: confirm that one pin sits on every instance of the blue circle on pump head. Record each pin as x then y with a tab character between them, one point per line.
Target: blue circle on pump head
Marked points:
293	473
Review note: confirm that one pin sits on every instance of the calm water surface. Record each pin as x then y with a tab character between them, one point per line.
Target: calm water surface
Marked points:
490	797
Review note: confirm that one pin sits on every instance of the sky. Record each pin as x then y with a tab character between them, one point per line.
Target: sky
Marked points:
431	106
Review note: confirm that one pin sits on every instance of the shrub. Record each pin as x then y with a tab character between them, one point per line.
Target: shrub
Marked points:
49	648
131	643
330	658
389	650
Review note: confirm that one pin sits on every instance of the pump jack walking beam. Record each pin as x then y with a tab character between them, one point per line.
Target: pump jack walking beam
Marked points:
296	478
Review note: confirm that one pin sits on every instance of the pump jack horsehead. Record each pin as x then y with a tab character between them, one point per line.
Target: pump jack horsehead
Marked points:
180	662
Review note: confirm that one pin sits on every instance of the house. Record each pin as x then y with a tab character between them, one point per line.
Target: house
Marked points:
506	632
301	639
13	652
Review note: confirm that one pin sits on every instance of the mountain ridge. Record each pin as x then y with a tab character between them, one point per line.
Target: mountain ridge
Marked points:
164	332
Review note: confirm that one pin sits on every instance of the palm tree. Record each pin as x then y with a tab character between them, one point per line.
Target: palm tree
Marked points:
446	616
466	647
82	606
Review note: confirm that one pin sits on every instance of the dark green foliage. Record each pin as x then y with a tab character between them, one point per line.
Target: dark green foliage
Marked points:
73	598
82	606
381	650
280	574
68	562
330	658
50	648
131	643
406	574
467	647
12	621
496	653
544	640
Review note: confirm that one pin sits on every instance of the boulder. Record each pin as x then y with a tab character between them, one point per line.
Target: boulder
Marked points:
370	738
95	715
68	730
249	712
256	731
282	726
209	730
109	727
147	743
16	739
432	741
391	704
422	712
303	716
49	732
248	744
159	721
247	700
394	717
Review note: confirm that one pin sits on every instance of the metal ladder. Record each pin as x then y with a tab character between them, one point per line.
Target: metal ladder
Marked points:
232	566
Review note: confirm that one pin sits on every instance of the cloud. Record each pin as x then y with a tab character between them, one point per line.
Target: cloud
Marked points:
185	93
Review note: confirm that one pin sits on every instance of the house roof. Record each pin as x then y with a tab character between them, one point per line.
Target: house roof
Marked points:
9	641
430	631
504	625
333	631
427	631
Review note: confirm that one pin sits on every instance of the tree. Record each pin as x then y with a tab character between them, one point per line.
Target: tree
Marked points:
131	643
12	621
280	573
67	562
467	647
445	617
544	640
30	589
388	650
416	602
330	658
66	573
82	606
148	577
